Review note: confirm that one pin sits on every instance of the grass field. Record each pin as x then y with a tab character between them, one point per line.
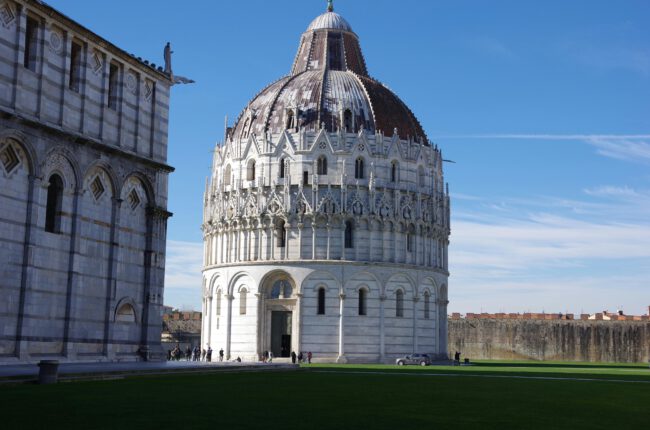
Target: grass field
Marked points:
490	395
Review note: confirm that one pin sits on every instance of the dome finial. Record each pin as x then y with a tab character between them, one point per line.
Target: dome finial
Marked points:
330	5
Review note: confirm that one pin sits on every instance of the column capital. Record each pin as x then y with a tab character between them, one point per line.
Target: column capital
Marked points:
342	296
416	299
229	297
383	298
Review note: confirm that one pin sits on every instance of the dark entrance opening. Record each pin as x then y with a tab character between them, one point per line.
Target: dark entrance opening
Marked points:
281	334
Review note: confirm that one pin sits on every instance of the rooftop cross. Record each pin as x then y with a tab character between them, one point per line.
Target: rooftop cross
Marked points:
330	5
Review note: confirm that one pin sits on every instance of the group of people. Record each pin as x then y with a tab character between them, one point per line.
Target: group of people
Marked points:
192	354
301	358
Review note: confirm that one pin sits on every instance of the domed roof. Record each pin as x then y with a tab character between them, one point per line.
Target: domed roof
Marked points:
329	87
330	20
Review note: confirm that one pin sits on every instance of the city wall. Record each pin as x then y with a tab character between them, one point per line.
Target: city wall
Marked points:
505	337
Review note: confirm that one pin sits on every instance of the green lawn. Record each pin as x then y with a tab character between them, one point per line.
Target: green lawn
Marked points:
346	397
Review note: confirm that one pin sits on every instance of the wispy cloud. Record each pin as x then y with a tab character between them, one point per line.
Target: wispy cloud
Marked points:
626	147
622	149
541	255
183	278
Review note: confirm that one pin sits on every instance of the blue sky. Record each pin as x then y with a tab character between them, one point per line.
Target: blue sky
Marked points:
545	107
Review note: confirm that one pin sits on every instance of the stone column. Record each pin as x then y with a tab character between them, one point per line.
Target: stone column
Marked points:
73	279
31	213
313	239
258	329
209	314
110	278
442	328
415	324
329	235
343	256
229	299
300	227
382	338
297	326
341	358
272	233
287	235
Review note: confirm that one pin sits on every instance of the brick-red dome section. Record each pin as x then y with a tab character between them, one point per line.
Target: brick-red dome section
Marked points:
329	87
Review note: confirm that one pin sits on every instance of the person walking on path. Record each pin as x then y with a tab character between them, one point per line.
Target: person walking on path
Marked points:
221	355
270	356
309	357
188	353
209	354
293	357
203	353
300	357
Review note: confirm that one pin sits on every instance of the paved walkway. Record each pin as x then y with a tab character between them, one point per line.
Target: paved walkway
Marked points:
77	370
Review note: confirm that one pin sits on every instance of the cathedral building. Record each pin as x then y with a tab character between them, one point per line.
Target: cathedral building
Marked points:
326	218
83	192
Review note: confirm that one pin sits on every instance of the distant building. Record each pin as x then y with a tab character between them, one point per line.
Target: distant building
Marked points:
326	219
183	328
83	191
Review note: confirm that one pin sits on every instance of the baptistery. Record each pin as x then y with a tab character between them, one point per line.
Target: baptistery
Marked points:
326	217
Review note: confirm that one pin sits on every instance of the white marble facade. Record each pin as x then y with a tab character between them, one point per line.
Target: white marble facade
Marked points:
83	192
326	218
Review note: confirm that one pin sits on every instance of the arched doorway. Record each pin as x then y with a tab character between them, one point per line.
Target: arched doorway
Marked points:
278	319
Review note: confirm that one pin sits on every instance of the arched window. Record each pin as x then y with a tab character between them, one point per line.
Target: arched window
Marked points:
399	304
219	302
321	167
54	203
227	175
426	305
393	171
126	314
291	120
321	301
359	169
250	171
282	167
421	177
281	234
347	121
242	301
349	234
363	302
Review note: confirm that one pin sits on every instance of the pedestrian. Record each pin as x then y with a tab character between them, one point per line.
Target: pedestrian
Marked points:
221	355
203	353
270	356
266	356
209	354
309	357
188	353
300	357
293	357
457	359
197	353
169	355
